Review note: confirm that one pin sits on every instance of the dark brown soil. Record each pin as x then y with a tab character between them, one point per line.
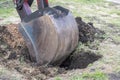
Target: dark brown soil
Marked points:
13	53
80	60
87	31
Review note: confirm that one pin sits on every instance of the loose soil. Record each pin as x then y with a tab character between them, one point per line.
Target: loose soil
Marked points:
87	31
14	53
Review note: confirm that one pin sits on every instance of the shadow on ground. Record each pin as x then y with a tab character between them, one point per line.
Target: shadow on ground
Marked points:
80	60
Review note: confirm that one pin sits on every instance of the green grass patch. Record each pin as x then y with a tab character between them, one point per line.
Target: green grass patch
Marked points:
6	12
115	22
58	78
97	75
115	12
117	70
116	38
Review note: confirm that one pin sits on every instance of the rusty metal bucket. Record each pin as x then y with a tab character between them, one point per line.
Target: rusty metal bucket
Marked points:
51	35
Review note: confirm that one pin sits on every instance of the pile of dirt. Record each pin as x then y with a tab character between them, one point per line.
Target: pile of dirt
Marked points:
87	31
12	44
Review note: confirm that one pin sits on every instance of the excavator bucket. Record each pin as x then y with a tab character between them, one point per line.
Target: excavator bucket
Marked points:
51	34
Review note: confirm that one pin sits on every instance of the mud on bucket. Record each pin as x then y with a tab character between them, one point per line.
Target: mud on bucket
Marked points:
51	35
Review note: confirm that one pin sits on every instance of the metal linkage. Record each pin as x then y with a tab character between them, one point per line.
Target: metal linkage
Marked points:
23	6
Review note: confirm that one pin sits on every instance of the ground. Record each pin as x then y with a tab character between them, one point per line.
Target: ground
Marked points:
97	60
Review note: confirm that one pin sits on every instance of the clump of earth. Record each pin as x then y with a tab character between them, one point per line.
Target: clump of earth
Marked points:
14	52
87	31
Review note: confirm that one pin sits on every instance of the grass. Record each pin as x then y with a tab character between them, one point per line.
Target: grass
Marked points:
2	71
116	38
115	12
6	8
88	1
116	22
80	1
78	7
58	78
5	73
8	14
117	70
97	75
5	12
